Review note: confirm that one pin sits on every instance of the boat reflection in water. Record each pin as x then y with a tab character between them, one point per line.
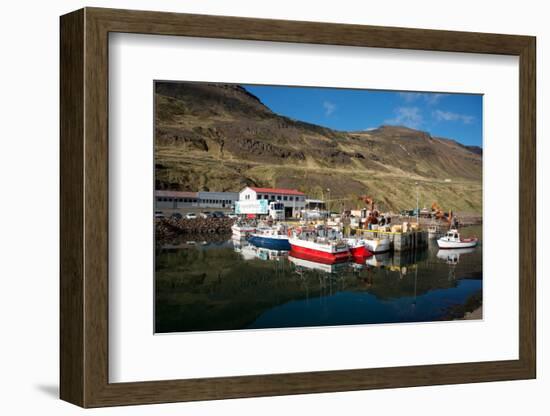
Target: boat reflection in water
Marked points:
452	256
302	262
379	260
241	246
250	251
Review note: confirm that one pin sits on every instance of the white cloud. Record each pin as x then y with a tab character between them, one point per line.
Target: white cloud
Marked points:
329	108
441	115
433	98
410	96
407	116
428	97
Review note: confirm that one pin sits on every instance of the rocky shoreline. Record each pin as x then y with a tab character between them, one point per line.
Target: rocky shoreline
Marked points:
167	229
471	309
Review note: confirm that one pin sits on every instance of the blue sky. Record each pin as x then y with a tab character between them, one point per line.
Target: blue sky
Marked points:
454	116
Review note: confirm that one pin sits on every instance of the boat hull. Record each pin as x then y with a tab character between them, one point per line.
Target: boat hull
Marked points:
318	252
242	231
378	246
443	244
360	252
358	249
280	244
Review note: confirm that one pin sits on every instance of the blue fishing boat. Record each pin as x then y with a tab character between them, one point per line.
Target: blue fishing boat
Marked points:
272	238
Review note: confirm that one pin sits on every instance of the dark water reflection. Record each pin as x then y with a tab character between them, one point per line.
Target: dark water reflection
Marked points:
221	284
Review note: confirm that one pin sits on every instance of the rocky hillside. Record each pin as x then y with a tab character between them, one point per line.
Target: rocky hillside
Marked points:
220	137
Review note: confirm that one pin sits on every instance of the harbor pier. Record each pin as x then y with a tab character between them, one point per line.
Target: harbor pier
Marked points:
401	241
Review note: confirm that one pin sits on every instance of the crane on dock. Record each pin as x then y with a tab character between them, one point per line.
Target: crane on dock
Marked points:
373	214
439	214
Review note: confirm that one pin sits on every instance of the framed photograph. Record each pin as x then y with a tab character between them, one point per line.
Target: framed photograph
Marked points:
255	207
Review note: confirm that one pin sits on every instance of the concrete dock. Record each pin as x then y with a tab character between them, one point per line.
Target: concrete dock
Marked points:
401	241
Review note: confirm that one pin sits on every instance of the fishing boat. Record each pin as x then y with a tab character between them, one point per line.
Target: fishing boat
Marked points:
453	240
273	238
377	245
358	248
320	249
242	229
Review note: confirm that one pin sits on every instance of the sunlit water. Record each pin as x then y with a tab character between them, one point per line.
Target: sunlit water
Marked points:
226	284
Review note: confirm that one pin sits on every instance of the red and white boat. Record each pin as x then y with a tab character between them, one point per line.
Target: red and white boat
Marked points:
358	248
321	250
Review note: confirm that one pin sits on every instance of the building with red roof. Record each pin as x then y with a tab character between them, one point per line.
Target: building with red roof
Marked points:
292	199
276	191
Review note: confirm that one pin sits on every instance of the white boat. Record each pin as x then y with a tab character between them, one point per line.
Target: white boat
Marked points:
453	240
242	230
378	245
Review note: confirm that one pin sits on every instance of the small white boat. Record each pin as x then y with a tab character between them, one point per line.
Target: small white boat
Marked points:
453	240
242	230
377	245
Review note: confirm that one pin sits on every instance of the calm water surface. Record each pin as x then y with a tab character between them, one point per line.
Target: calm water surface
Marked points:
225	284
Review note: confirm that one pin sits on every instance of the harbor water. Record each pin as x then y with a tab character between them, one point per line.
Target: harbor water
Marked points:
226	284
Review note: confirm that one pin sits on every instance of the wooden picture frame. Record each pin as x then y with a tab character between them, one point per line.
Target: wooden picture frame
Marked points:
84	207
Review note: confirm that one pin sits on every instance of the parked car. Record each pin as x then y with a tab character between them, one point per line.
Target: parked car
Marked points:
159	214
218	214
191	216
205	214
176	216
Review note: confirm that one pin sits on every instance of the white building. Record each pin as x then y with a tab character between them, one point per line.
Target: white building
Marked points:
292	199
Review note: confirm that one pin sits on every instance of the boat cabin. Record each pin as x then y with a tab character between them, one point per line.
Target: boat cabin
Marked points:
452	235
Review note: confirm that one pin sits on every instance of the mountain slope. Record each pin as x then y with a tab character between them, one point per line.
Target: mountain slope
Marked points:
220	137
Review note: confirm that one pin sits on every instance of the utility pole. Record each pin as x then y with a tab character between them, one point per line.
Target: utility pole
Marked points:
417	206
